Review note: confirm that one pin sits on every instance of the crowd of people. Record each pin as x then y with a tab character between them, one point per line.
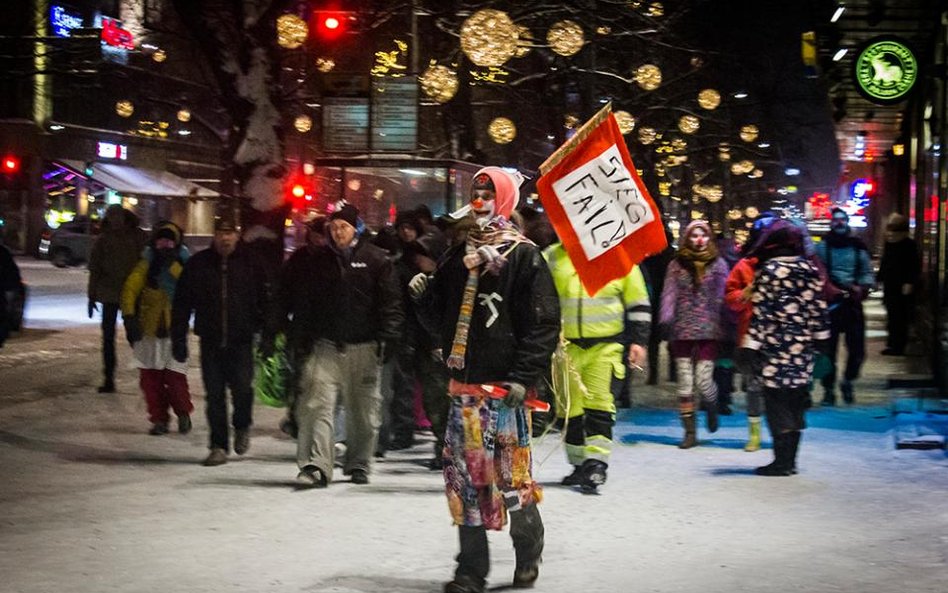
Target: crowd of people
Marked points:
477	320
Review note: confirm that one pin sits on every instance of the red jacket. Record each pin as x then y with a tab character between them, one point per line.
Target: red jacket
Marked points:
741	276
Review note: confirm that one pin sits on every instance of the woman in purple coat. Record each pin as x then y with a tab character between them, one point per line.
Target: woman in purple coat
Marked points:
691	320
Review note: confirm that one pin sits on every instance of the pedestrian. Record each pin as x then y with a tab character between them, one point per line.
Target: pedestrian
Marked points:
599	329
229	291
899	273
692	300
146	310
846	259
114	254
788	324
724	364
737	294
654	268
494	307
10	284
346	316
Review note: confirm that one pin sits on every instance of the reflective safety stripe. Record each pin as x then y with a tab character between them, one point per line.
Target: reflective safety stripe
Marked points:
598	447
575	454
634	316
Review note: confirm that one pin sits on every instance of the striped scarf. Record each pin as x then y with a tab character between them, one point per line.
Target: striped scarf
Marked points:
499	233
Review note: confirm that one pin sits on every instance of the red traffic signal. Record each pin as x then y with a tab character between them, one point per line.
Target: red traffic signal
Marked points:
330	24
11	164
298	191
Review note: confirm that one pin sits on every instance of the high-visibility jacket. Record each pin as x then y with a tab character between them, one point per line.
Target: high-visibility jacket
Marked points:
619	312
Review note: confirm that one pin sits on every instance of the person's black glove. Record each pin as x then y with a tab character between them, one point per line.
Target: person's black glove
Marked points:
179	350
133	329
92	308
267	347
516	394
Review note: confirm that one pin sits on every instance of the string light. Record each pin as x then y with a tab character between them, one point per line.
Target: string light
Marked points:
502	130
565	38
489	37
291	31
439	82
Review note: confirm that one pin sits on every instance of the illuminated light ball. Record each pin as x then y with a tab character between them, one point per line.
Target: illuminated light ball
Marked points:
303	123
648	76
709	99
565	38
570	121
184	115
647	135
291	31
124	108
325	64
746	166
688	124
756	174
679	145
697	215
489	37
625	120
741	236
749	133
734	214
354	184
713	193
309	168
696	62
655	9
159	56
501	130
439	82
736	168
751	212
603	30
524	41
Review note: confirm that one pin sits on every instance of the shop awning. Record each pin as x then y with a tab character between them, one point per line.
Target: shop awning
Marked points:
141	182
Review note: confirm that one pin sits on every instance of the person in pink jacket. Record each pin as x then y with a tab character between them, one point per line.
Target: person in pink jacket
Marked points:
692	301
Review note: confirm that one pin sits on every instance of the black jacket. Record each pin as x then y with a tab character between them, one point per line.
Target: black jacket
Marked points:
515	344
900	265
232	298
347	299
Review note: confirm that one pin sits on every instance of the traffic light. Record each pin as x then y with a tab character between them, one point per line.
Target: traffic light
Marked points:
332	24
298	191
11	164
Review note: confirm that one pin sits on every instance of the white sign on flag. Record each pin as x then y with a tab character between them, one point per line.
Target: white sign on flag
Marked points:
602	202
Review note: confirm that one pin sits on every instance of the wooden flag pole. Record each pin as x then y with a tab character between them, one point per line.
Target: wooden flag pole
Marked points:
577	138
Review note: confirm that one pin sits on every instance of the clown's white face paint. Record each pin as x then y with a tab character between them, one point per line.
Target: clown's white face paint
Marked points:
483	205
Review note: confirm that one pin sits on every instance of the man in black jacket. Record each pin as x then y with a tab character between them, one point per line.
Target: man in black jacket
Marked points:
346	315
228	289
494	306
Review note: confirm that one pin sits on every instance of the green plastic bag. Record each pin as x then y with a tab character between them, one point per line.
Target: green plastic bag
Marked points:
272	376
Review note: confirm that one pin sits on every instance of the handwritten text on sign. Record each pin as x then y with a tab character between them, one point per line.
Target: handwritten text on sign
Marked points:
602	202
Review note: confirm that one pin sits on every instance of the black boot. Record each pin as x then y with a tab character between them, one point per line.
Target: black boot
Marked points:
526	531
794	439
575	478
712	412
846	387
473	561
594	475
780	465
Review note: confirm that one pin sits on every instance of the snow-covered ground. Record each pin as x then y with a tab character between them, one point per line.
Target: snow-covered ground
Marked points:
91	504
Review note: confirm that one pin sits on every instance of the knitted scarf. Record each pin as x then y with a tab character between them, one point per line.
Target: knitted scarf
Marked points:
696	261
505	237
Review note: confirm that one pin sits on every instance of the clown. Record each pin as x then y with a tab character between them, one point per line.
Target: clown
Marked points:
494	307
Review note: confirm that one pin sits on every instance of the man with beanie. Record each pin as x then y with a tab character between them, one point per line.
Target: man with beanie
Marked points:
846	259
345	315
228	289
113	256
899	271
493	305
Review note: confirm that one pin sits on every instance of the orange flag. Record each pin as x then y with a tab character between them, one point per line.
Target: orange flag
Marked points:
598	204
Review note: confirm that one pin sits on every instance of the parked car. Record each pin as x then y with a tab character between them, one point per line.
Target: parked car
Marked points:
70	244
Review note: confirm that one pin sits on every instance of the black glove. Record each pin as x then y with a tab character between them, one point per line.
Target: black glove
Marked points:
133	329
92	308
516	394
179	350
267	347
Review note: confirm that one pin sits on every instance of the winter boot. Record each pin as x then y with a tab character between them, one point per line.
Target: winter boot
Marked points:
464	584
780	465
753	439
594	475
794	440
217	456
108	386
241	440
575	478
158	429
473	561
829	398
526	530
712	412
846	387
690	440
184	423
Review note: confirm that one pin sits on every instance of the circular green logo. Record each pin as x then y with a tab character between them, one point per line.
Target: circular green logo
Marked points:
885	70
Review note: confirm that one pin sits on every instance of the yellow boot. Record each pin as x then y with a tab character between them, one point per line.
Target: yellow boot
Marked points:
753	441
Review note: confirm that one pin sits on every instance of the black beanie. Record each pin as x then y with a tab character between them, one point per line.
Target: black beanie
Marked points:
348	213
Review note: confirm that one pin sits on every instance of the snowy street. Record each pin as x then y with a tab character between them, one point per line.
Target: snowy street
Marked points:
92	504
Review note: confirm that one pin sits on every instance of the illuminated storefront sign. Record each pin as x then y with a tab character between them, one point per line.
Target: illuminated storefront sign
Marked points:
885	70
108	150
115	36
63	20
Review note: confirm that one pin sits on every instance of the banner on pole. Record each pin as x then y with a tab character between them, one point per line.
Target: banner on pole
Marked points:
598	205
